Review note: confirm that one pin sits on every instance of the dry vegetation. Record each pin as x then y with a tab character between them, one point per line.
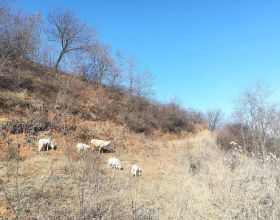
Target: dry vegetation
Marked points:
188	171
183	179
46	97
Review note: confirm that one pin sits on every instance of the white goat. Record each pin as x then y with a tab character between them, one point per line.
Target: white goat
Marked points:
100	144
81	146
115	163
45	144
136	170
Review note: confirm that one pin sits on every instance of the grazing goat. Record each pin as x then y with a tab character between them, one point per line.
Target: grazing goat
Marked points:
100	144
136	170
45	144
114	163
81	146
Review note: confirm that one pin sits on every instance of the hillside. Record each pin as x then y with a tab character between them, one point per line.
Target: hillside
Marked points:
185	175
61	86
38	102
34	88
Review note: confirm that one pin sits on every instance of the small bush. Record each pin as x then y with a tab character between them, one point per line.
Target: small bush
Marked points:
37	124
174	124
232	161
137	124
195	166
32	126
172	118
146	211
84	114
231	132
14	127
83	134
16	101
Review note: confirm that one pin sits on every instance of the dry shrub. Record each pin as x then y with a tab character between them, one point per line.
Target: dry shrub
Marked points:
106	109
37	124
83	134
141	114
7	81
146	210
255	123
242	136
175	123
231	132
195	165
138	122
172	118
14	101
14	127
138	117
82	113
231	160
144	116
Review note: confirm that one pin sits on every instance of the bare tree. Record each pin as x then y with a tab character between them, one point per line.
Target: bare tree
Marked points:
144	84
131	74
69	32
119	65
139	82
259	120
19	35
214	118
100	64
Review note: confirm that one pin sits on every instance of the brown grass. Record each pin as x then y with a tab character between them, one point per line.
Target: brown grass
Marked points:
185	176
167	190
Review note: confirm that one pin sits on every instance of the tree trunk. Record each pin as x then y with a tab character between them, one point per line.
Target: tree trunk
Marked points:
58	60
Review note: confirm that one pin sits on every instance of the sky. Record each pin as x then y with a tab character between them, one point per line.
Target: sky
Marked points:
202	53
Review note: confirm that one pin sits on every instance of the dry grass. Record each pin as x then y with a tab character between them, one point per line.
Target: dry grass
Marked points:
57	185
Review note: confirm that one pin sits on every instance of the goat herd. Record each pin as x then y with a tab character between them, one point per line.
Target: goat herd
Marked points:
114	163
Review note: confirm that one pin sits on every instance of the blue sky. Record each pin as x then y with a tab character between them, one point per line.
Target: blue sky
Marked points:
201	52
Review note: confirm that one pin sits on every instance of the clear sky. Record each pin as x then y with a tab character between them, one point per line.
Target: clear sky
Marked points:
201	52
